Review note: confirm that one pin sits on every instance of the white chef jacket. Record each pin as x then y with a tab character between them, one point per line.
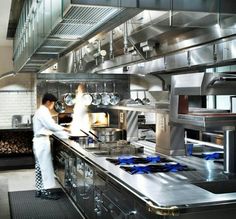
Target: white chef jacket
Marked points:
43	126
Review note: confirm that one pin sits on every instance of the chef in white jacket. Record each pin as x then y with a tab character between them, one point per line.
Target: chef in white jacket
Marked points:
43	127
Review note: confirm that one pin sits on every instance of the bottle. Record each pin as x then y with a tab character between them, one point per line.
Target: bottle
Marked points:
90	142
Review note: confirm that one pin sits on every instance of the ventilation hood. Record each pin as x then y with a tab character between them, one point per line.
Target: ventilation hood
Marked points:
162	36
52	28
162	41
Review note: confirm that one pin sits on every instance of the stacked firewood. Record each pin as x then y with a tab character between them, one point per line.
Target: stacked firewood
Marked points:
15	143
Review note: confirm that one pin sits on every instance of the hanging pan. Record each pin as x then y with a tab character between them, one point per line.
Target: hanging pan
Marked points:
87	97
105	96
59	106
97	98
69	98
114	97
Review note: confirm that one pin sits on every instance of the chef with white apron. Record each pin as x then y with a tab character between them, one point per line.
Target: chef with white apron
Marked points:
43	127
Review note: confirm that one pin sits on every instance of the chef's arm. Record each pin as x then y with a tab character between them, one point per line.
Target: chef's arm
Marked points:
50	124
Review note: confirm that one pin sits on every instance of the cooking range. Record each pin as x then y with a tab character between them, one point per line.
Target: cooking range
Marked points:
148	164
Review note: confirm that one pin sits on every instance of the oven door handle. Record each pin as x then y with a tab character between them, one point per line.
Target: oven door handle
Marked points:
214	80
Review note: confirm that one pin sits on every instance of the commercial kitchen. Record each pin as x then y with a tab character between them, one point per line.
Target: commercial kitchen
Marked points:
154	133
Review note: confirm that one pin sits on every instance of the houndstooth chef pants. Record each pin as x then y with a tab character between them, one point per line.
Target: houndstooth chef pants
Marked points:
38	176
44	173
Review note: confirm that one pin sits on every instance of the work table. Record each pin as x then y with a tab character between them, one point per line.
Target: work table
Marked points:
172	190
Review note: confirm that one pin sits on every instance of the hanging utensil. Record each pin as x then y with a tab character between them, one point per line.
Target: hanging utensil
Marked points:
138	100
69	98
114	97
97	98
87	97
105	96
145	99
59	105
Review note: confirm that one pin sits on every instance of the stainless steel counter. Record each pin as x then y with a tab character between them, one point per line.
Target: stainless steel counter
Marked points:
173	190
15	128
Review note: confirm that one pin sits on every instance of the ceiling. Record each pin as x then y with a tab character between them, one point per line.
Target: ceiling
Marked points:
5	13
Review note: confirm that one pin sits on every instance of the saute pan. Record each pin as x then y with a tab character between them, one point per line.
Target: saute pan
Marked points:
97	98
59	107
114	97
105	96
87	97
69	98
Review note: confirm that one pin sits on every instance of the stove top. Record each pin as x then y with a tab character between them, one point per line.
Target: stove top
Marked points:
156	168
145	165
137	160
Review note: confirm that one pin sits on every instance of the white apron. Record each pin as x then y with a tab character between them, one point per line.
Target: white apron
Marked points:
42	152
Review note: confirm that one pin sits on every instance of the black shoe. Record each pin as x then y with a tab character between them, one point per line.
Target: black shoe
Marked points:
49	195
38	194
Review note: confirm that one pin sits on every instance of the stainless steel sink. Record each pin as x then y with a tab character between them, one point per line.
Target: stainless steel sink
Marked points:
101	153
218	187
113	149
92	149
97	151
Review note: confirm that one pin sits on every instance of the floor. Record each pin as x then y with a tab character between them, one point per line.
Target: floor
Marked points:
14	180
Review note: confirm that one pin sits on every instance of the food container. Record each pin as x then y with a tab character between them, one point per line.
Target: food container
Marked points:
109	134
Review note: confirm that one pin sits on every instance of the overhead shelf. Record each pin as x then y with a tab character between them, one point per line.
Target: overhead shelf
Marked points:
137	108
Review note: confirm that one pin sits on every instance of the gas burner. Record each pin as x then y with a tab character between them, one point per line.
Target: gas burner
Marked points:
167	167
137	160
210	156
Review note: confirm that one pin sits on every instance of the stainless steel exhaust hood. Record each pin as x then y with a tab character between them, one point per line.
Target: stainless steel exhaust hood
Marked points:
180	40
49	29
175	27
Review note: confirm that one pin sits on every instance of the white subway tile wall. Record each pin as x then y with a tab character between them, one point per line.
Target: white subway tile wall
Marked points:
16	103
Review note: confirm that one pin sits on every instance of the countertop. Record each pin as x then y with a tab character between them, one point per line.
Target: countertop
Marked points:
10	128
173	189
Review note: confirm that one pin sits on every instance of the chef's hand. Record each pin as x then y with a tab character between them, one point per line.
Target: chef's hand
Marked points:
67	129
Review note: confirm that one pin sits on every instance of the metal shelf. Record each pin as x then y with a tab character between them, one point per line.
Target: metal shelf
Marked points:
137	108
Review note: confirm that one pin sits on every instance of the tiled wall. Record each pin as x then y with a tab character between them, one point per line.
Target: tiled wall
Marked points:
17	97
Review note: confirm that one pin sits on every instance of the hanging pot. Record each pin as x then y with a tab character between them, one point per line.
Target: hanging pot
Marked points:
97	98
105	96
59	107
114	97
87	97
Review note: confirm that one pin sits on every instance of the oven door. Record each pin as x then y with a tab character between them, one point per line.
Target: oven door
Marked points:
109	210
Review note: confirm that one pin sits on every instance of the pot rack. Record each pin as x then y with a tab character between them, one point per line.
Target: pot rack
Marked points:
16	91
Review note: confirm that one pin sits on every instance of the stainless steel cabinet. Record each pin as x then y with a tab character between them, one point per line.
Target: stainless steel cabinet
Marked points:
96	194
